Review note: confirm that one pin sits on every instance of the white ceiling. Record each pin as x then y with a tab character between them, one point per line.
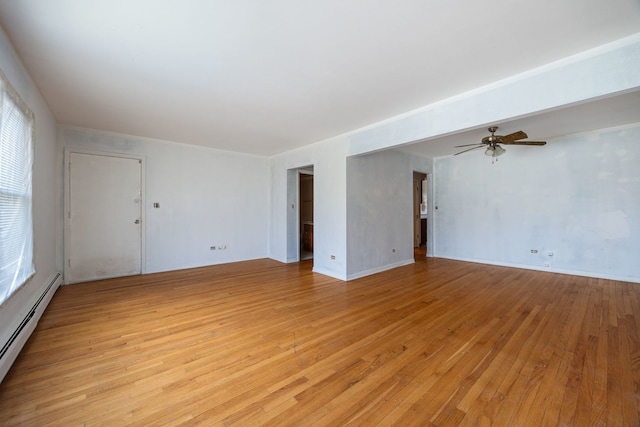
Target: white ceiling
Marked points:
265	77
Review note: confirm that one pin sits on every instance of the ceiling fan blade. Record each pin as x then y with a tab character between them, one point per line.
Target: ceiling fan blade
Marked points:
469	149
467	145
526	143
513	137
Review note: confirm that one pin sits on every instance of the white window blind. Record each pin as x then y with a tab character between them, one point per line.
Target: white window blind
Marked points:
16	219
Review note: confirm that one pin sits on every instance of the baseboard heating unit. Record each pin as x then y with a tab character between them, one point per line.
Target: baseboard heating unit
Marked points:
19	336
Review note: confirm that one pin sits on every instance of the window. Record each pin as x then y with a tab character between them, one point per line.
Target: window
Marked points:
16	160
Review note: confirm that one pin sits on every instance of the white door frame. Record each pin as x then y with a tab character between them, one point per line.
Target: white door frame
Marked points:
293	209
308	170
67	200
431	238
431	217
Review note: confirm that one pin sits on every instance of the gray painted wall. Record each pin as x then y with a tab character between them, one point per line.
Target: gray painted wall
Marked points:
380	211
578	197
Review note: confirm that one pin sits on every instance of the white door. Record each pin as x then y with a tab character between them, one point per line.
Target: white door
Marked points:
104	218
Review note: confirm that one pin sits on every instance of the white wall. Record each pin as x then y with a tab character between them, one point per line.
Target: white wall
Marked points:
600	72
207	197
46	195
578	197
329	185
332	225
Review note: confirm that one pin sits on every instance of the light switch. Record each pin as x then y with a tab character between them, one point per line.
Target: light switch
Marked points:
156	205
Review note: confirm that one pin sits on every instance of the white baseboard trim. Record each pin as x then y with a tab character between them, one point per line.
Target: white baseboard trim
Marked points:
570	272
380	269
329	273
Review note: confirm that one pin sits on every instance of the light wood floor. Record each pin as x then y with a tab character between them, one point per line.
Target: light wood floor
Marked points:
438	343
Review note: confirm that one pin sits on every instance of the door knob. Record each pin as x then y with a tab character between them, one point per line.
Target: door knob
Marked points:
137	221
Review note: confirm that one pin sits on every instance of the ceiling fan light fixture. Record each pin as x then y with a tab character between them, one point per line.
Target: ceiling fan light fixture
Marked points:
493	141
494	151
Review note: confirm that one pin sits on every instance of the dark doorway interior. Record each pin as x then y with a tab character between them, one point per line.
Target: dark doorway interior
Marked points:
306	215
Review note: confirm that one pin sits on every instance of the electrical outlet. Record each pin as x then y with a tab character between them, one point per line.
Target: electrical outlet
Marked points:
534	251
333	257
393	250
213	248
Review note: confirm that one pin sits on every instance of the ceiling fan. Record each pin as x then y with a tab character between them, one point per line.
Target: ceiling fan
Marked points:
493	149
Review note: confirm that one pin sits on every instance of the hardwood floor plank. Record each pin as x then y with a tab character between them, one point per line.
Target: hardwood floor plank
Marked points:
435	343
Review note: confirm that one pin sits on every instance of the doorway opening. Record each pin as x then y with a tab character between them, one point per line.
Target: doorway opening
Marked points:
300	207
305	213
419	213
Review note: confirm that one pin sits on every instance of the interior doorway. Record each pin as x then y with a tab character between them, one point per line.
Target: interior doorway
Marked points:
420	210
305	221
300	212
